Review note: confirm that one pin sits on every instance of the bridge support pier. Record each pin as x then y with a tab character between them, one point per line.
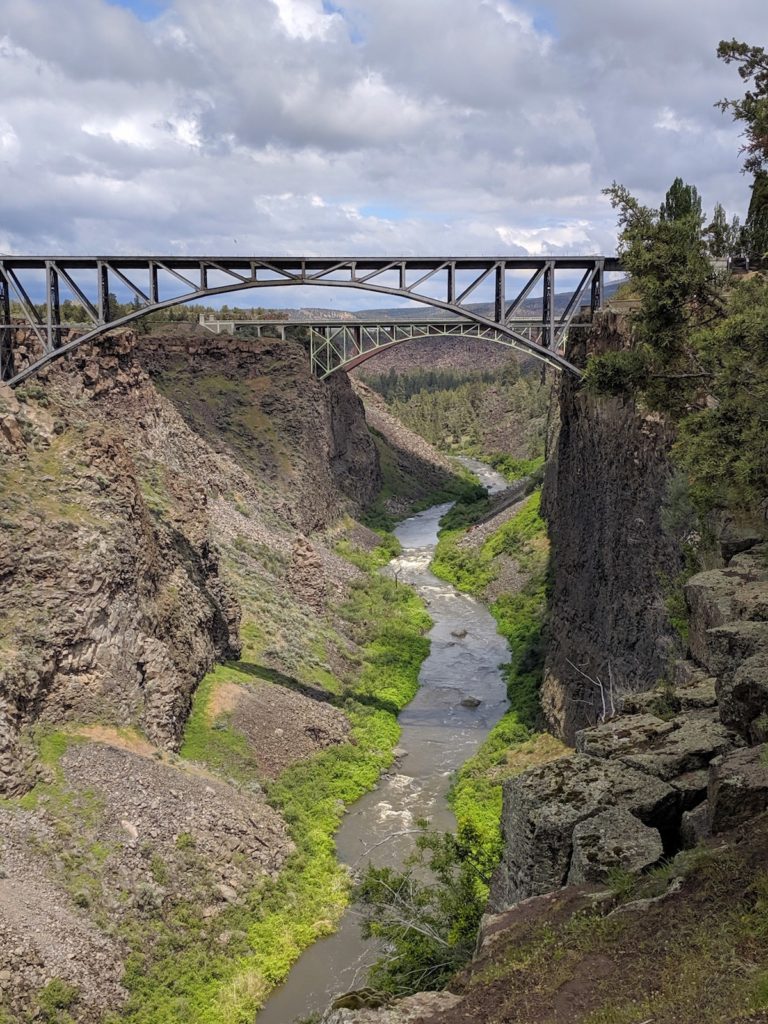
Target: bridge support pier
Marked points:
53	307
548	307
6	333
597	288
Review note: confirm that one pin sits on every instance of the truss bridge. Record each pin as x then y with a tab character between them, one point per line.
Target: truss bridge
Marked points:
334	345
33	288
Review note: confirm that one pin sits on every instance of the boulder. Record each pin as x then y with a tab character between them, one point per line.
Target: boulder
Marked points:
694	826
711	600
686	743
403	1011
693	689
645	702
684	672
738	787
692	787
691	743
543	806
622	735
699	695
752	601
732	644
744	697
609	841
752	557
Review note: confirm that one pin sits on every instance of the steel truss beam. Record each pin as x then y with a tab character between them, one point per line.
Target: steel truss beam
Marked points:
159	282
344	345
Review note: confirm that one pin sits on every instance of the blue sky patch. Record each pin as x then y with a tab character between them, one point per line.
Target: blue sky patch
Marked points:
355	35
145	10
544	20
384	211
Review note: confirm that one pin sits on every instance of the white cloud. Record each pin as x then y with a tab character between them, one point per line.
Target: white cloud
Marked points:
9	142
672	122
303	19
568	238
297	126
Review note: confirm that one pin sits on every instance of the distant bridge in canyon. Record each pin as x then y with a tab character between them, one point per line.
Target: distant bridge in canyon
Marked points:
447	284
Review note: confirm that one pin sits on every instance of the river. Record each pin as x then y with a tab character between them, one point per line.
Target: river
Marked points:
438	735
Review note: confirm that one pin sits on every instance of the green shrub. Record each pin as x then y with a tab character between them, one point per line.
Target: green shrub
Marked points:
380	556
57	997
428	927
514	469
523	537
617	373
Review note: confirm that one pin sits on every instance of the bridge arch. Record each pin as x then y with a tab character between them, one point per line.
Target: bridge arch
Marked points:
285	272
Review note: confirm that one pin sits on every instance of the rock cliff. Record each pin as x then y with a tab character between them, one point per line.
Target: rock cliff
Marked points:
611	558
116	494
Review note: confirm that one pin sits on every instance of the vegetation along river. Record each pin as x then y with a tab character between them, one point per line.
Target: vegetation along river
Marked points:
438	735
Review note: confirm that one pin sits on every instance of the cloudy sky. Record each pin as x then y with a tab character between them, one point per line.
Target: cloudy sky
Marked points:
351	126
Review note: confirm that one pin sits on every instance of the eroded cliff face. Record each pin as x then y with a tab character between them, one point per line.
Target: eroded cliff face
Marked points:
115	510
611	560
305	440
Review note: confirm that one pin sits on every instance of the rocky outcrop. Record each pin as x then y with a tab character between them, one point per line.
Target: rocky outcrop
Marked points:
410	1010
543	807
257	402
690	738
305	574
729	638
111	612
589	952
115	510
604	491
669	749
738	788
416	469
613	840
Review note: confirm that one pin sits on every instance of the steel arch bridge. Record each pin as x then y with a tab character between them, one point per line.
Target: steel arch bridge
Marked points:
345	344
159	282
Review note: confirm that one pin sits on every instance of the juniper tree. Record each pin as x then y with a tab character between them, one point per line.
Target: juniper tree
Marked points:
752	108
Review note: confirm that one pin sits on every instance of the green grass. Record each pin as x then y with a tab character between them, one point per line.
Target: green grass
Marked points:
377	558
469	569
476	799
216	744
511	468
177	973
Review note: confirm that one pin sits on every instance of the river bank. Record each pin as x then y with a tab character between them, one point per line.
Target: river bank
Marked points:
438	735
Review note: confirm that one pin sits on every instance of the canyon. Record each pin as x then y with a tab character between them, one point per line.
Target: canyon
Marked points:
204	657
